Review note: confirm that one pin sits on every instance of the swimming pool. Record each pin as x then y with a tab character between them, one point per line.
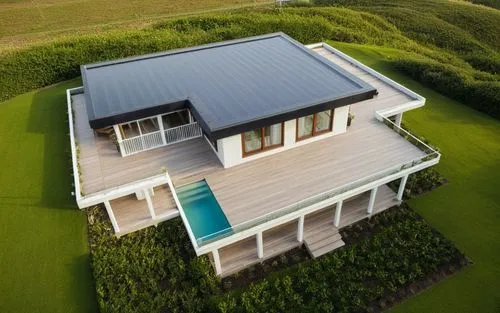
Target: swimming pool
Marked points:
202	210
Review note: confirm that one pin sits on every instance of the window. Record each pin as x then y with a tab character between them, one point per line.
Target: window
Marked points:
314	124
262	139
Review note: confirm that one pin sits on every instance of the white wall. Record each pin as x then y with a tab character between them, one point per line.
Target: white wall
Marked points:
340	120
230	150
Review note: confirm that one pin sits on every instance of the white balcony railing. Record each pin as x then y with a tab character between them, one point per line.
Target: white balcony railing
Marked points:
158	138
182	133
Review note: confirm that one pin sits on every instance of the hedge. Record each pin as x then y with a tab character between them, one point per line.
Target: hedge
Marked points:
46	64
483	95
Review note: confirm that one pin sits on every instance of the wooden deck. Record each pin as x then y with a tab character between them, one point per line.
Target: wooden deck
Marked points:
243	254
132	214
265	185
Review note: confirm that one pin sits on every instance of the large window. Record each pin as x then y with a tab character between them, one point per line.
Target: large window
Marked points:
262	139
314	124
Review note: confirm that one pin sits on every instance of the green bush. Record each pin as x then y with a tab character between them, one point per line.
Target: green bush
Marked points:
456	83
351	278
154	270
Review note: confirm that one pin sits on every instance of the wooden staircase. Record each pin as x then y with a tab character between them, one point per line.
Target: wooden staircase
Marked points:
321	236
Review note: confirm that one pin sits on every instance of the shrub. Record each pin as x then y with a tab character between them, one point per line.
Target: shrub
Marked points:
351	278
455	83
153	270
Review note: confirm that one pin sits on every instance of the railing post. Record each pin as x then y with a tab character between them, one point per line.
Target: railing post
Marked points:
260	245
216	258
371	203
399	118
151	209
111	216
300	229
119	139
401	189
338	211
162	130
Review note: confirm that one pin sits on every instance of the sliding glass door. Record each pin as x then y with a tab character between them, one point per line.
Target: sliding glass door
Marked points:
262	139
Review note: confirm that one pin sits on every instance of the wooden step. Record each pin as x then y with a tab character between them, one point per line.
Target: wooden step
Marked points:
315	245
328	248
312	238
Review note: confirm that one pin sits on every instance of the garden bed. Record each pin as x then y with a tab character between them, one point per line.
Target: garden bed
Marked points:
387	258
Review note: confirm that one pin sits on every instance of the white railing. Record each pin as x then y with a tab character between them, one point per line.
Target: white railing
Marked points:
141	143
182	133
158	138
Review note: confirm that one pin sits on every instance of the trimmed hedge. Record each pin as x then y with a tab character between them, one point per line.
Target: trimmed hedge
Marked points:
39	66
483	95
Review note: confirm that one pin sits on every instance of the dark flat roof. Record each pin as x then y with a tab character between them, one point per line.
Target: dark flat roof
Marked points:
230	87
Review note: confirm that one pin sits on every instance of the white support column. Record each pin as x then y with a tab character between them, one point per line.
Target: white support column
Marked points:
119	139
190	117
260	245
373	194
401	189
399	118
111	216
338	211
151	209
162	130
300	229
216	257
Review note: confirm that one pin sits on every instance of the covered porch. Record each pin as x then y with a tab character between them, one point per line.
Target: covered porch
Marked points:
143	208
318	230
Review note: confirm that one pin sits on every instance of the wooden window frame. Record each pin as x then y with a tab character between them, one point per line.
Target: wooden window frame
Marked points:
263	148
314	133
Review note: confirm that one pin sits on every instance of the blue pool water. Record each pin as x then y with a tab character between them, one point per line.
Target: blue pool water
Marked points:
202	210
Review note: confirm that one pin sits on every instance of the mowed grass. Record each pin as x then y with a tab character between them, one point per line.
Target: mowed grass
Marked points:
467	209
24	21
44	254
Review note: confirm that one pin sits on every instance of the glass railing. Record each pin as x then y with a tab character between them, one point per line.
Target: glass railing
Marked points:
430	154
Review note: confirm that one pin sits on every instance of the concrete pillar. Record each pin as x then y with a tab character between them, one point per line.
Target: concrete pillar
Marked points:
260	246
401	189
338	211
151	209
162	130
216	258
300	229
399	118
373	194
111	216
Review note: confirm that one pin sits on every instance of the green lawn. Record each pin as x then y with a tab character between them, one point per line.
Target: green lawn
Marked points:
44	254
467	210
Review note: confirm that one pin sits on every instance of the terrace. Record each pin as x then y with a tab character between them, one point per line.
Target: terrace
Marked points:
253	193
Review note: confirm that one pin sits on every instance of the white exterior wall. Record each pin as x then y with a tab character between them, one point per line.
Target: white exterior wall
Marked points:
340	120
230	150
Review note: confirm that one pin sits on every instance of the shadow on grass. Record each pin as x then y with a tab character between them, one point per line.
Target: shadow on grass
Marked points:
48	116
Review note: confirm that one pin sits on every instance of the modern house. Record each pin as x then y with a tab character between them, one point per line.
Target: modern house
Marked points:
251	142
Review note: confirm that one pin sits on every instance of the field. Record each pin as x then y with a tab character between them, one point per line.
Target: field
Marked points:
45	255
23	21
467	209
44	241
